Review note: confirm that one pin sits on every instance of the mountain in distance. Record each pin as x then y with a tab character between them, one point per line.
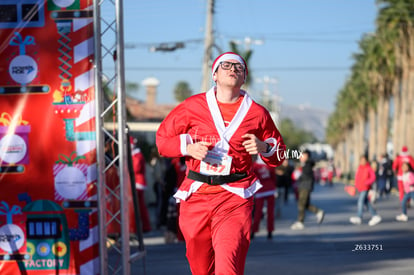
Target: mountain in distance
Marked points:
310	119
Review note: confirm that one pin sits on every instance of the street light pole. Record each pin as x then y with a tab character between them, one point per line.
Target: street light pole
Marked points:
248	41
208	46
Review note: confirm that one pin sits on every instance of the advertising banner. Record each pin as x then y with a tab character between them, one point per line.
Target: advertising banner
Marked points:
48	215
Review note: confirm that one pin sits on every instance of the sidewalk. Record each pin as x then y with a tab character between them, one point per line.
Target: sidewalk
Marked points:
319	249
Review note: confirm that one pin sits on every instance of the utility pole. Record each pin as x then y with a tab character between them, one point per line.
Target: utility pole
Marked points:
208	46
270	99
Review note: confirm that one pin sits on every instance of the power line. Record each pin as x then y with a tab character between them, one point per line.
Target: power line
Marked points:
170	44
327	32
312	40
307	68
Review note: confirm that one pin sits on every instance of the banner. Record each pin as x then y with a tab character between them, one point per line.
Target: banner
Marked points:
48	171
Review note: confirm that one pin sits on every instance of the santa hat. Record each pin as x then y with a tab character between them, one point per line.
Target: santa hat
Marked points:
133	141
404	149
228	56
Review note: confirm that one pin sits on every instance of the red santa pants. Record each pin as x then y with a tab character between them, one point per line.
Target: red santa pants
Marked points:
258	211
144	215
216	229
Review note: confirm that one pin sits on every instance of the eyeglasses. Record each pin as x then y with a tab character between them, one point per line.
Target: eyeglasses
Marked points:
225	65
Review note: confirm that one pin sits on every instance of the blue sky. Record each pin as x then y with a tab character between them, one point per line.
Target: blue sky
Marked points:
307	44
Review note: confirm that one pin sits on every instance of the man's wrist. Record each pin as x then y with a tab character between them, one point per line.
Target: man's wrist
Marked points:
268	147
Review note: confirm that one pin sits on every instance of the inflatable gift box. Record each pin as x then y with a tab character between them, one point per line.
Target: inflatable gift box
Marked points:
12	229
14	140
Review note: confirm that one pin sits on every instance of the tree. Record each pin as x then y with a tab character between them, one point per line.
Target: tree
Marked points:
383	71
132	89
246	56
109	96
395	22
294	136
182	91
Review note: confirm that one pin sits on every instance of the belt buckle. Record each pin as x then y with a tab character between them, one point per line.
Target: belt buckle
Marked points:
209	180
212	180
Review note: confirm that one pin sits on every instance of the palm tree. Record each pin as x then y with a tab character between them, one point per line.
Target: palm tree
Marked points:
246	56
395	22
383	72
378	70
182	91
364	80
132	89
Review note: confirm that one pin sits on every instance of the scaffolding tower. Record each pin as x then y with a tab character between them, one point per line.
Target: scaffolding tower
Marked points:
109	74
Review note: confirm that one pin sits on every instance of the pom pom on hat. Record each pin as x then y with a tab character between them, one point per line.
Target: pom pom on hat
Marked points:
227	56
133	141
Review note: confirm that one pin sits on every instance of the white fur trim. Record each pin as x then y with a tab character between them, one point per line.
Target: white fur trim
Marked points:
184	195
244	193
135	151
274	148
185	139
140	186
265	194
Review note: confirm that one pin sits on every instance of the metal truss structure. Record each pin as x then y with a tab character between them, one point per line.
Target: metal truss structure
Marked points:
115	258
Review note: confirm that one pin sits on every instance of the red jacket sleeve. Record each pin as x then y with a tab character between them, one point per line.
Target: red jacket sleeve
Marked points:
271	135
171	137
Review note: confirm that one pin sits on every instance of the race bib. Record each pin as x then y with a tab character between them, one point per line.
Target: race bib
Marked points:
216	163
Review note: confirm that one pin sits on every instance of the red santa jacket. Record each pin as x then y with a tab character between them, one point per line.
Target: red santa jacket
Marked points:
138	162
198	118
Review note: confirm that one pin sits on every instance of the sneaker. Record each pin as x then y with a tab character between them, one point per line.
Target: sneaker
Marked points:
374	220
320	215
355	220
297	226
133	242
402	218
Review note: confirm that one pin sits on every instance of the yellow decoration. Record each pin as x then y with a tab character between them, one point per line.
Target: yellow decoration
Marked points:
59	249
57	96
66	86
6	119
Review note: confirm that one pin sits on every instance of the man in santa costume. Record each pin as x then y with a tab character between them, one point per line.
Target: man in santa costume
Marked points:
266	194
138	163
218	132
404	156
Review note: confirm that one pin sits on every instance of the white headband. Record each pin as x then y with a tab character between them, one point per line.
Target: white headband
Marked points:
225	57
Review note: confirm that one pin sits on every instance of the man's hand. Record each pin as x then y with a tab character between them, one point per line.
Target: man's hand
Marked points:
253	145
198	150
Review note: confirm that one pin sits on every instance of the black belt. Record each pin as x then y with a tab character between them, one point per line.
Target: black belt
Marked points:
215	179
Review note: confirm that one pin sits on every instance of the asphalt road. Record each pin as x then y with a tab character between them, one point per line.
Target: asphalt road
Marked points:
333	247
